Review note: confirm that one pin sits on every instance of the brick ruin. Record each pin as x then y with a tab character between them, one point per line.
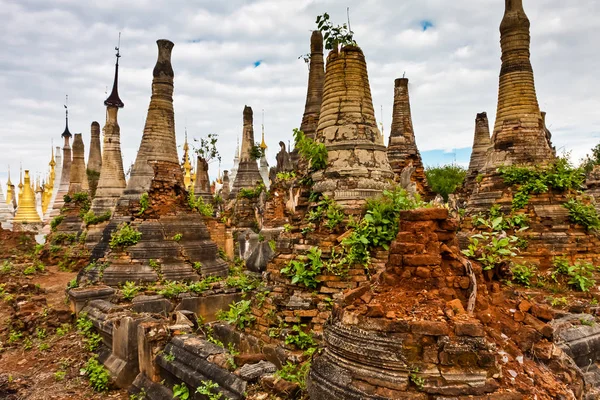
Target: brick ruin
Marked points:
94	159
247	176
402	149
78	180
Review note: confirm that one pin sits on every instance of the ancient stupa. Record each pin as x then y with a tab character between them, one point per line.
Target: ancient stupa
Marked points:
402	149
10	194
186	165
173	236
481	145
65	176
247	175
55	182
202	183
112	177
314	93
27	213
357	166
225	189
263	163
5	214
94	165
39	194
49	186
79	182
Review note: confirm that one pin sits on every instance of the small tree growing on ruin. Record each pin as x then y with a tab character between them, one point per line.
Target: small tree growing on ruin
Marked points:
207	148
334	36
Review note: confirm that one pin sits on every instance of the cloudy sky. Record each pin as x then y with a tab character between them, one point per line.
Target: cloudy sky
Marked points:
231	53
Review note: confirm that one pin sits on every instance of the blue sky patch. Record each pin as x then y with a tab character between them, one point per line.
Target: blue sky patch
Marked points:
425	24
257	63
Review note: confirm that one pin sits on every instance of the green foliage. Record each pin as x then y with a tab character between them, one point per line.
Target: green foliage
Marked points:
334	36
311	151
299	338
56	222
197	265
445	180
63	329
239	314
287	228
497	221
60	375
199	205
210	390
97	374
170	357
418	381
73	284
295	373
327	212
64	238
583	214
559	301
560	176
207	147
203	285
252	193
243	282
177	237
82	200
285	176
379	226
587	322
273	245
125	235
14	336
144	203
492	249
172	289
523	274
129	290
305	269
67	198
91	219
588	163
256	152
581	276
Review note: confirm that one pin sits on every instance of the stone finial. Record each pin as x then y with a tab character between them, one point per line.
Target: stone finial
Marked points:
247	174
481	145
78	182
519	135
402	149
357	165
158	142
314	93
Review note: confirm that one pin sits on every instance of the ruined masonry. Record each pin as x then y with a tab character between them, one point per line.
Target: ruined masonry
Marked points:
481	145
248	175
94	159
79	182
314	93
357	166
402	150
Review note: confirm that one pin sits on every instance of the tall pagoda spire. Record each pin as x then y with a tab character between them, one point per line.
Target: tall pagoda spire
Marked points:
114	99
187	165
10	190
66	134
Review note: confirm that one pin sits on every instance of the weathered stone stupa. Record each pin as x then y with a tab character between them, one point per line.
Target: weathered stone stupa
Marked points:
202	184
263	163
94	159
402	149
55	182
27	213
357	166
173	237
5	214
225	189
519	132
79	182
112	177
236	164
247	175
158	141
65	176
314	93
481	145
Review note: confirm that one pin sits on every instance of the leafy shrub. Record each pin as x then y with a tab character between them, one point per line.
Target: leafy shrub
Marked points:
239	314
523	274
299	338
56	222
589	162
285	176
125	235
252	193
203	285
492	249
177	237
444	180
256	152
334	35
144	203
172	289
96	373
304	270
583	214
129	290
91	219
313	152
199	205
295	373
208	388
581	276
243	282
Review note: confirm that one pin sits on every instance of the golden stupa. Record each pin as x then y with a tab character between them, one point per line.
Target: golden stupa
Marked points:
49	185
187	166
20	186
26	211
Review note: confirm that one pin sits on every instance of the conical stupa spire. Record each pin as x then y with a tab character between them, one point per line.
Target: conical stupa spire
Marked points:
66	134
481	145
187	166
158	142
357	165
519	136
247	174
27	210
94	165
316	79
113	99
79	182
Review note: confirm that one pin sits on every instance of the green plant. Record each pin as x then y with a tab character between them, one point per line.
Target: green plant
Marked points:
418	381
129	290
587	322
40	333
252	193
334	36
6	267
311	151
583	214
29	270
273	245
286	176
60	375
559	301
125	235
172	289
561	267
73	284
208	388
492	249
177	237
305	269
588	163
170	357
581	276
295	373
203	285
56	222
299	338
181	392
199	205
523	274
144	203
27	344
256	152
43	346
287	228
63	329
197	265
239	314
96	373
91	219
444	180
207	148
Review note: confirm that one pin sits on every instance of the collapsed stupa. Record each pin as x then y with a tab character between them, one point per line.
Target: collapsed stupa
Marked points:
402	150
111	182
481	145
247	175
65	176
173	241
357	165
79	182
94	165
